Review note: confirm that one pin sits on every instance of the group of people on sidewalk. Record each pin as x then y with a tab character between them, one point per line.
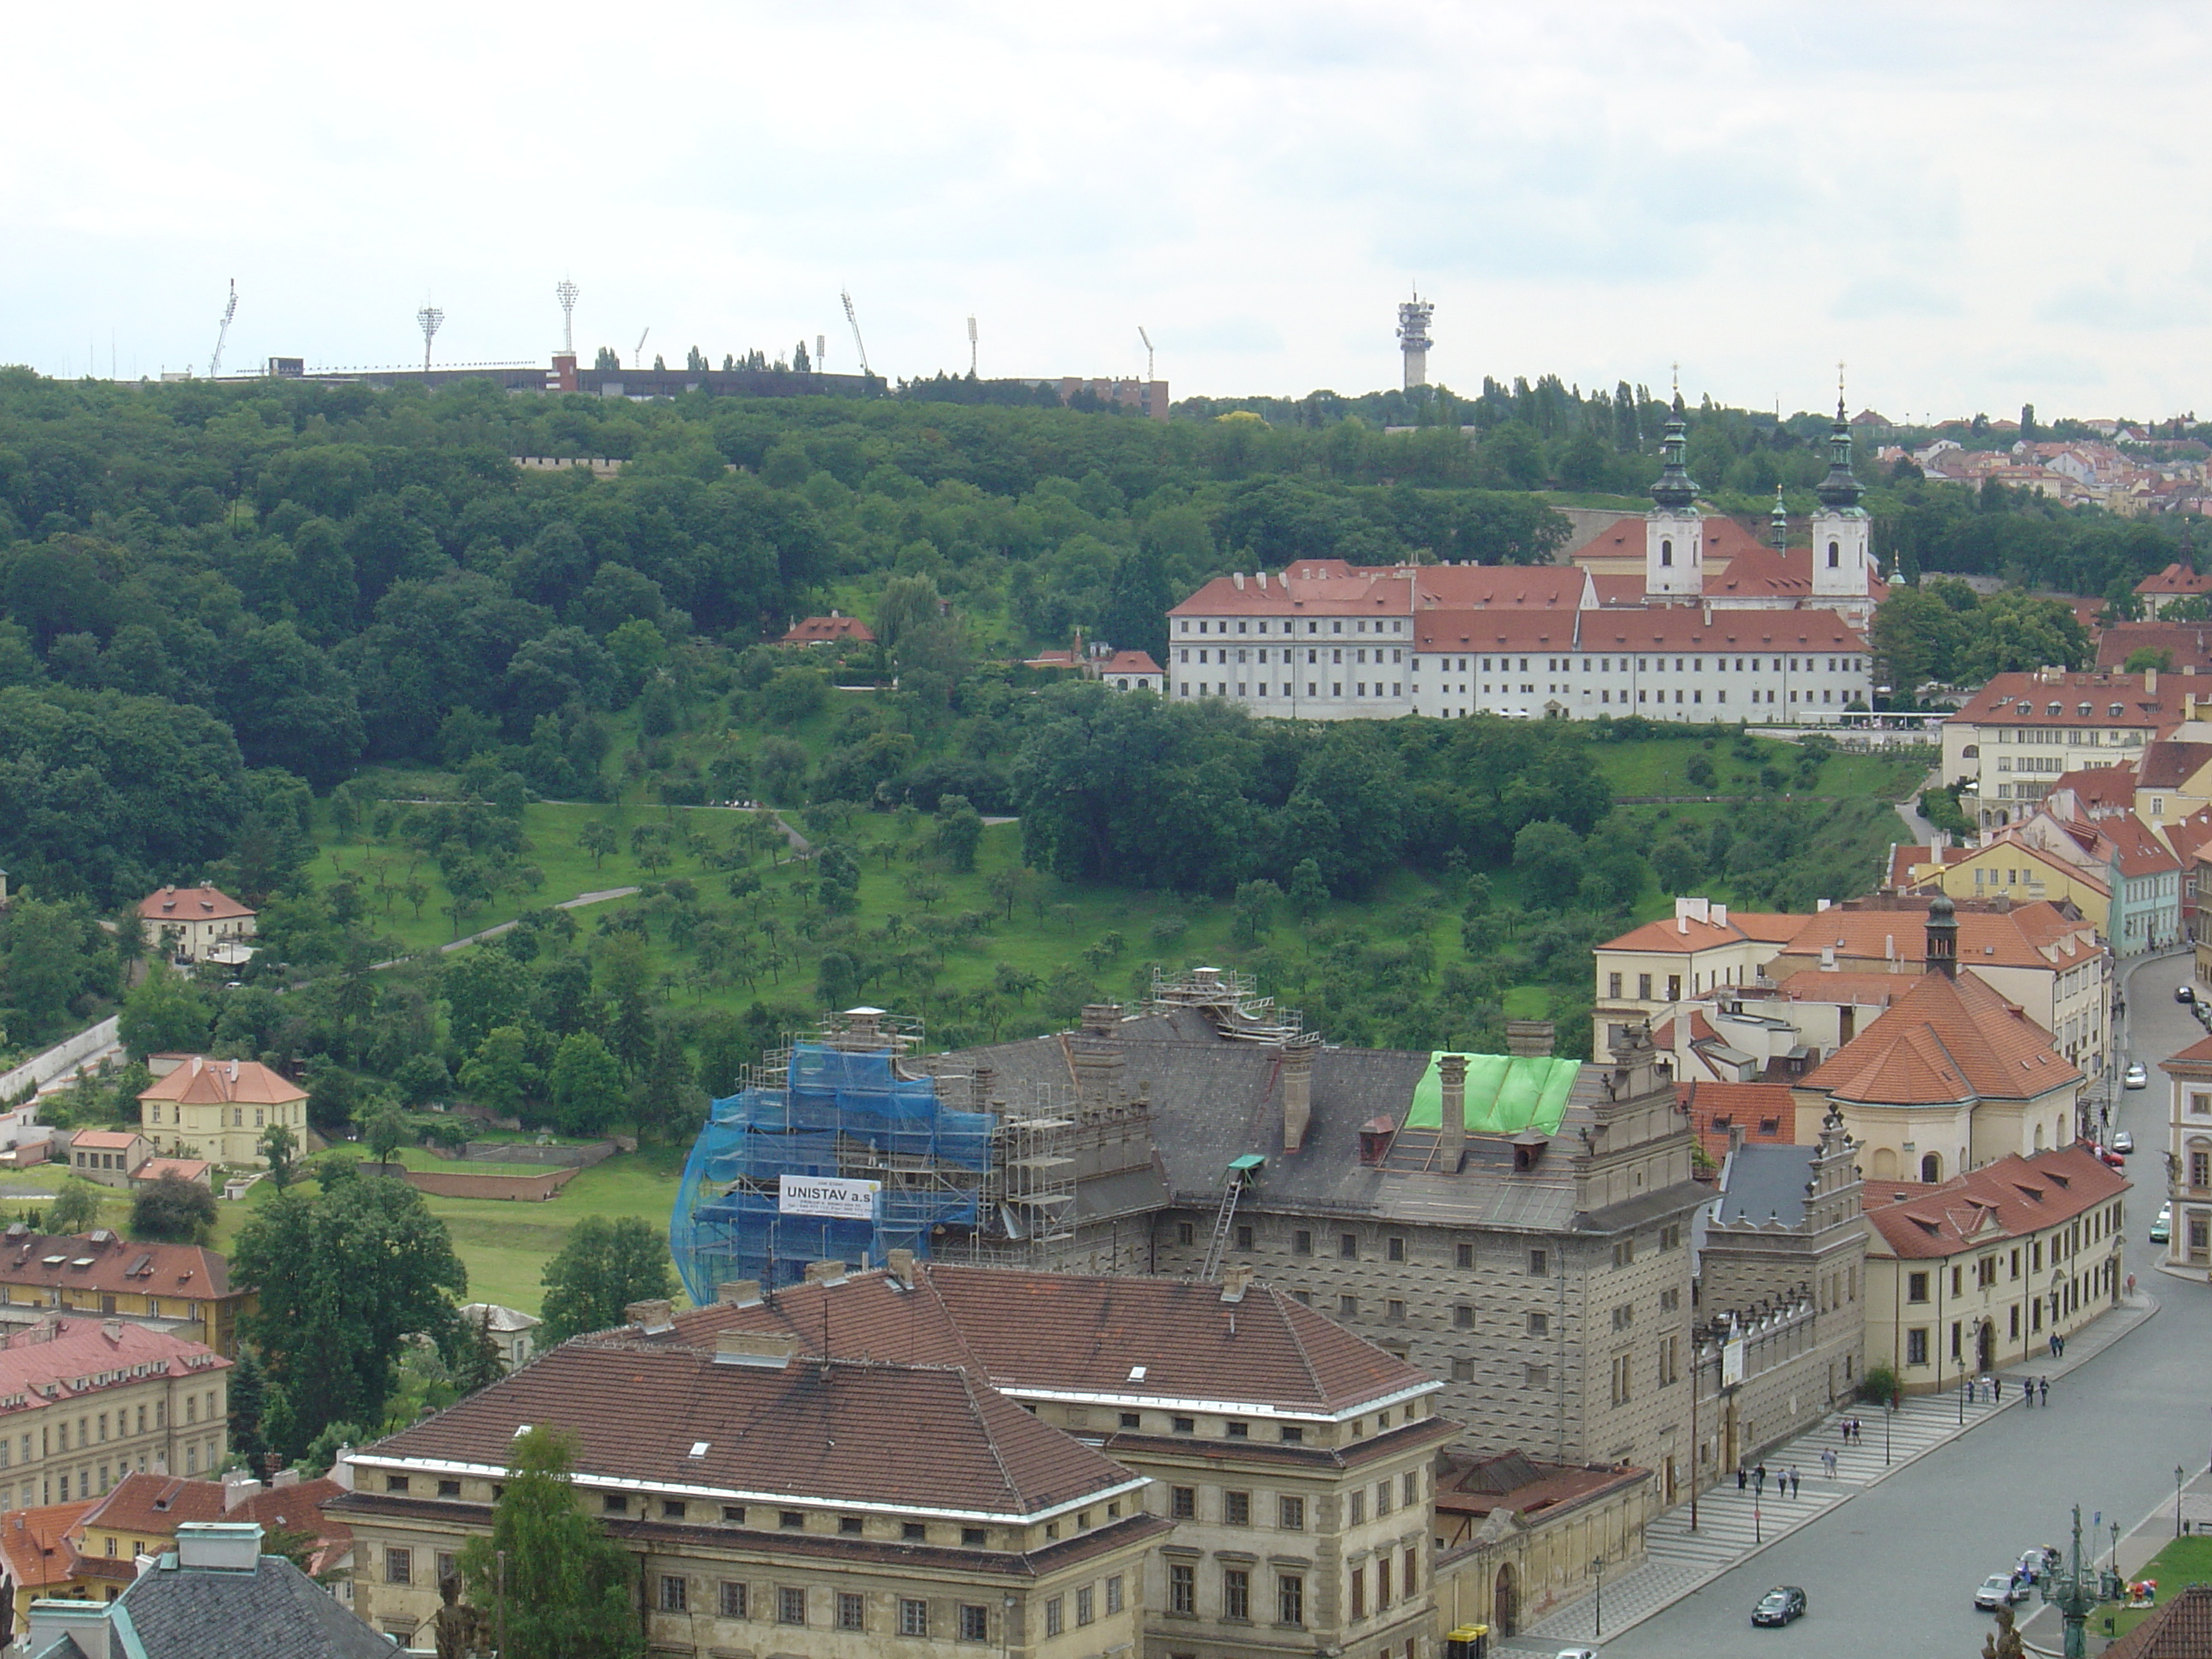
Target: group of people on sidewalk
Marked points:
1786	1482
2037	1391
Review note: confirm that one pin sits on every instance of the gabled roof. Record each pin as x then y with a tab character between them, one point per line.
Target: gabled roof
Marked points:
201	1081
154	1505
2008	1199
35	1544
69	1358
1947	1041
2191	644
1073	1333
2174	579
1314	587
927	1435
112	1265
2008	840
1130	662
1690	934
1715	1107
2038	935
1686	627
2100	790
107	1140
1462	629
191	905
2169	762
820	630
2136	849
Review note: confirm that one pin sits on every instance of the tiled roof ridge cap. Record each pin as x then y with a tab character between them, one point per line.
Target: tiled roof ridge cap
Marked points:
990	1439
1298	1343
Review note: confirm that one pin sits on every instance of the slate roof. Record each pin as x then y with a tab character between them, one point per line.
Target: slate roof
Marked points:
1073	1333
922	1435
1767	1182
113	1265
1946	1041
2008	1199
275	1611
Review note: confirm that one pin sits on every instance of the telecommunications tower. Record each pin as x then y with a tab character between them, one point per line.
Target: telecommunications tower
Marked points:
429	319
1413	316
566	293
222	333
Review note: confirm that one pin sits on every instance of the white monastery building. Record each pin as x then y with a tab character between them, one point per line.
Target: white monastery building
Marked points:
1715	627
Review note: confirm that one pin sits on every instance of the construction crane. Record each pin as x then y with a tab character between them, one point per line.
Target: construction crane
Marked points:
860	345
1147	339
637	352
222	333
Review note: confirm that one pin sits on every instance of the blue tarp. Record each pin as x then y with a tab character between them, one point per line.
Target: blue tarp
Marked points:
726	1225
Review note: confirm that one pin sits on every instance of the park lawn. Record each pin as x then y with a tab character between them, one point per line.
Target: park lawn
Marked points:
1657	767
2182	1562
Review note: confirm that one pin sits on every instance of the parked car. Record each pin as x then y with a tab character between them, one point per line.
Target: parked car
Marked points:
2108	1157
2122	1142
2135	1077
2162	1228
2183	993
1779	1606
1999	1589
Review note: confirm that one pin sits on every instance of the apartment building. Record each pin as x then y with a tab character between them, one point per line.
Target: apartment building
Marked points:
2021	733
2189	1155
84	1402
182	1290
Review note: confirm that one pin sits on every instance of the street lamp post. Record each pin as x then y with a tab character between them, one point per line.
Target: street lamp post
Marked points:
1888	1411
1597	1622
2116	1549
1758	1492
2176	1500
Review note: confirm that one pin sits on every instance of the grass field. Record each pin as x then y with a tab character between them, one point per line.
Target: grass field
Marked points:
2185	1561
1660	767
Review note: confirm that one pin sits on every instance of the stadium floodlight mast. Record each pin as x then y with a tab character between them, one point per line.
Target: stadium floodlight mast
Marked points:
429	319
567	292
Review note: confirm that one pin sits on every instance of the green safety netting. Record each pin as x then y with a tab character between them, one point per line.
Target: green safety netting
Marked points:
1505	1094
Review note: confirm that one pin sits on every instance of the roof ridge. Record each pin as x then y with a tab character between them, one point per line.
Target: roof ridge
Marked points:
1298	1342
990	1435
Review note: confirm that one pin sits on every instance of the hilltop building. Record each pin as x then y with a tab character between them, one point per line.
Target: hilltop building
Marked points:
218	1109
181	1290
198	923
1707	625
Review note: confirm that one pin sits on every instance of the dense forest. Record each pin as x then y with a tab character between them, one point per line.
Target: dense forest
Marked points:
240	623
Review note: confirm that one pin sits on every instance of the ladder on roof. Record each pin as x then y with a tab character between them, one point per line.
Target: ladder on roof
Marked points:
1223	1220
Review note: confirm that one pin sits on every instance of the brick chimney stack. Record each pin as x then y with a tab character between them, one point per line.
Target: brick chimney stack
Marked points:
1451	1132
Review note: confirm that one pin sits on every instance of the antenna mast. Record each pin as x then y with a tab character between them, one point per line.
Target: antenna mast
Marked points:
971	348
637	351
1413	316
821	351
222	333
1147	339
860	345
566	293
429	319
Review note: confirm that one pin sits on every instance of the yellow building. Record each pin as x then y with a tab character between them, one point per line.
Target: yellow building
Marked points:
2009	867
218	1109
182	1289
195	924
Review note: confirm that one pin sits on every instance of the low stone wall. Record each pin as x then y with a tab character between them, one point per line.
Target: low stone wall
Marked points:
44	1068
534	1188
516	1151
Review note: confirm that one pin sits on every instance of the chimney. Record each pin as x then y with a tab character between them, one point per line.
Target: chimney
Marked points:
237	1487
825	1272
770	1350
2150	682
219	1546
1298	1090
1531	1039
85	1623
1451	1131
283	1479
738	1292
1235	1279
651	1318
899	1264
341	1467
1237	576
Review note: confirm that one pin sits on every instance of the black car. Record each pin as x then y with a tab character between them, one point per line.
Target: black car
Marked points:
1779	1606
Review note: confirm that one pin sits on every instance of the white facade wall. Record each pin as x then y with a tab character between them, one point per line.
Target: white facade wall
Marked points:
1691	686
1296	667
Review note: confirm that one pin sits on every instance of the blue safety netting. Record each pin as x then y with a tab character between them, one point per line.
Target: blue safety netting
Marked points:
844	1112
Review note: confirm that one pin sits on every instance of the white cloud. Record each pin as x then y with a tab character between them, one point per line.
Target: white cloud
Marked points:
1941	196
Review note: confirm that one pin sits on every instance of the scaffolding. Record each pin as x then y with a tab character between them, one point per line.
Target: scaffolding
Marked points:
1231	1001
837	1104
1036	1189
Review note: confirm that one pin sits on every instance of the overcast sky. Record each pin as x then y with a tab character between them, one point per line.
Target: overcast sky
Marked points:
1974	205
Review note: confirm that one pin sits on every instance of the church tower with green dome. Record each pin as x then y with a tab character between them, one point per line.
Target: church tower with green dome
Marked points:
1674	530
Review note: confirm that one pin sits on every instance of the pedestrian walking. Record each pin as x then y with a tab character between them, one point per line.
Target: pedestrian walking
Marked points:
1759	1475
2054	1344
2044	1389
1828	1461
1742	1477
1794	1482
1997	1389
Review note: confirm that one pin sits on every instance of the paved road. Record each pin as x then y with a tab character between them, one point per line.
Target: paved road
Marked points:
1894	1570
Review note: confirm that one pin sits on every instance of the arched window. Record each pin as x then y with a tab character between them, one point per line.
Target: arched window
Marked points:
1931	1168
1667	553
1835	554
1885	1164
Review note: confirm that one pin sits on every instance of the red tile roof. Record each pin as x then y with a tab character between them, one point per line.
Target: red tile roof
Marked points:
113	1265
1494	630
35	1543
2175	579
200	1081
1686	627
1130	662
2038	935
2098	790
2169	762
2181	1627
65	1358
1688	934
820	630
2189	643
1946	1041
191	905
107	1140
2137	851
1714	1107
2063	702
1313	588
2009	1199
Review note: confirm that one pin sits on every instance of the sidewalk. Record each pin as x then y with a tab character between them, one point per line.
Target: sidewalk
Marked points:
1679	1561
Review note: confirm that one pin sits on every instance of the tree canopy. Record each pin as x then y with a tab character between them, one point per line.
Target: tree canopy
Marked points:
604	1266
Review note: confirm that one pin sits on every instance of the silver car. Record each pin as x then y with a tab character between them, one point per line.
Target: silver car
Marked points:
1999	1589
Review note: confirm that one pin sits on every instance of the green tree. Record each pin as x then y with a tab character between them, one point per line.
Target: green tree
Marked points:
670	1104
605	1264
1548	854
174	1211
625	979
75	1206
163	1013
500	1073
280	1150
343	1279
562	1587
584	1084
248	1400
383	1131
598	839
1308	891
959	831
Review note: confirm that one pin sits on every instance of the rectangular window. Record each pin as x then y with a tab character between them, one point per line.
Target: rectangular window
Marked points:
675	1593
1244	1236
1613	985
1347	1306
1537	1264
913	1616
731	1600
1464	1317
1382	1498
1291	1598
1086	1612
1409	1488
1358	1593
1347	1246
975	1623
1236	1594
1183	1503
1915	1346
1302	1243
1358	1508
1395	1250
1463	1254
1916	1287
1237	1509
790	1605
398	1566
2200	1168
1182	1587
1291	1514
1114	1594
852	1611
